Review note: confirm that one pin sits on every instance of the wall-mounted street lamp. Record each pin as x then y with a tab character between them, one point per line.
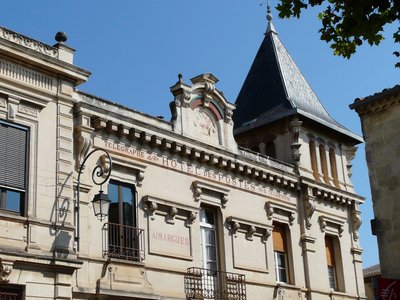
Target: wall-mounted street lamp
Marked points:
100	174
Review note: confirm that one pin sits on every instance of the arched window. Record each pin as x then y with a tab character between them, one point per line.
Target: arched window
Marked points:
332	162
324	165
313	158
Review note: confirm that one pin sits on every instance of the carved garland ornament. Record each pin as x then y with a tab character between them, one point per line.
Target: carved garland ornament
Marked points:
28	43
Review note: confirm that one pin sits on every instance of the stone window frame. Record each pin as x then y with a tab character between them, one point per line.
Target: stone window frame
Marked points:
338	264
23	111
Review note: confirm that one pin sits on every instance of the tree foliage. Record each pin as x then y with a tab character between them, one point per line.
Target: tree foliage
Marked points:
347	24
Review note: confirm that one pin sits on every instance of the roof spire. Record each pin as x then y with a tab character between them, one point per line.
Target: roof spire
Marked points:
270	27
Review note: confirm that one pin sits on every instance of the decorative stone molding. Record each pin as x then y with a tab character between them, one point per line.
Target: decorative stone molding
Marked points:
206	192
28	42
334	196
169	209
280	212
27	110
250	229
5	270
331	225
130	167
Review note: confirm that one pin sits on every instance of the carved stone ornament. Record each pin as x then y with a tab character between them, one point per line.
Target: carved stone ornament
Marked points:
250	232
270	210
197	191
150	207
224	200
5	270
266	235
309	210
82	147
191	218
356	223
171	215
140	178
228	115
209	89
233	226
291	218
322	223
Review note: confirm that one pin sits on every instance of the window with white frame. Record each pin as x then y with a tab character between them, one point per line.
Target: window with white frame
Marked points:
331	264
13	167
280	253
208	230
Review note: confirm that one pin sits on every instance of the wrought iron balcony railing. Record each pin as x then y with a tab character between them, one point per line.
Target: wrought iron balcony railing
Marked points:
123	242
209	284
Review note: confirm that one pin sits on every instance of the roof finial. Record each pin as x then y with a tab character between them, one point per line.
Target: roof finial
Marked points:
270	27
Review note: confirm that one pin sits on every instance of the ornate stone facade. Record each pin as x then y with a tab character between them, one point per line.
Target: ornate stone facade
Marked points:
194	213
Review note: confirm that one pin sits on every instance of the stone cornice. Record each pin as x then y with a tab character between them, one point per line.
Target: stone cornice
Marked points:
227	161
377	102
330	194
21	54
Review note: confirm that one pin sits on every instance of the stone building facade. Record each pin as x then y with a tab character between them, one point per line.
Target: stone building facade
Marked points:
221	202
379	114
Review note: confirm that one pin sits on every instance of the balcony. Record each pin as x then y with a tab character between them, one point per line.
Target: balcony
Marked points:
209	284
123	242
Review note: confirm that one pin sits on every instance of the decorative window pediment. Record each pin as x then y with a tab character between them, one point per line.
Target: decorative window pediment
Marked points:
169	209
280	212
331	224
128	168
209	193
249	228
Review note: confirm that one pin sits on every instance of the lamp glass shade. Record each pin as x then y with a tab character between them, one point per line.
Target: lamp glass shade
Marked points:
101	204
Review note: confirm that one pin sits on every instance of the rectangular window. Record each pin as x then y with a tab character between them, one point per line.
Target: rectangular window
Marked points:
124	239
280	253
13	167
208	239
330	259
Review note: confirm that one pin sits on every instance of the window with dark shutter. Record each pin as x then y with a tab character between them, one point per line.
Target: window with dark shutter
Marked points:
13	166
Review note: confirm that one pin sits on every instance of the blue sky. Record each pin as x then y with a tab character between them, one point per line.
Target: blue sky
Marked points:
136	48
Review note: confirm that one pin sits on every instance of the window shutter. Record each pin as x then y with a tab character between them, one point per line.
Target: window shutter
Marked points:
279	238
12	156
330	256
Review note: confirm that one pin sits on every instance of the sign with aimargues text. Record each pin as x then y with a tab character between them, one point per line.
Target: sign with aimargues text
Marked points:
173	240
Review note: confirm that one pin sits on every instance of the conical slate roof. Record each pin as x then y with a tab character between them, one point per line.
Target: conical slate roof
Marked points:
275	88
